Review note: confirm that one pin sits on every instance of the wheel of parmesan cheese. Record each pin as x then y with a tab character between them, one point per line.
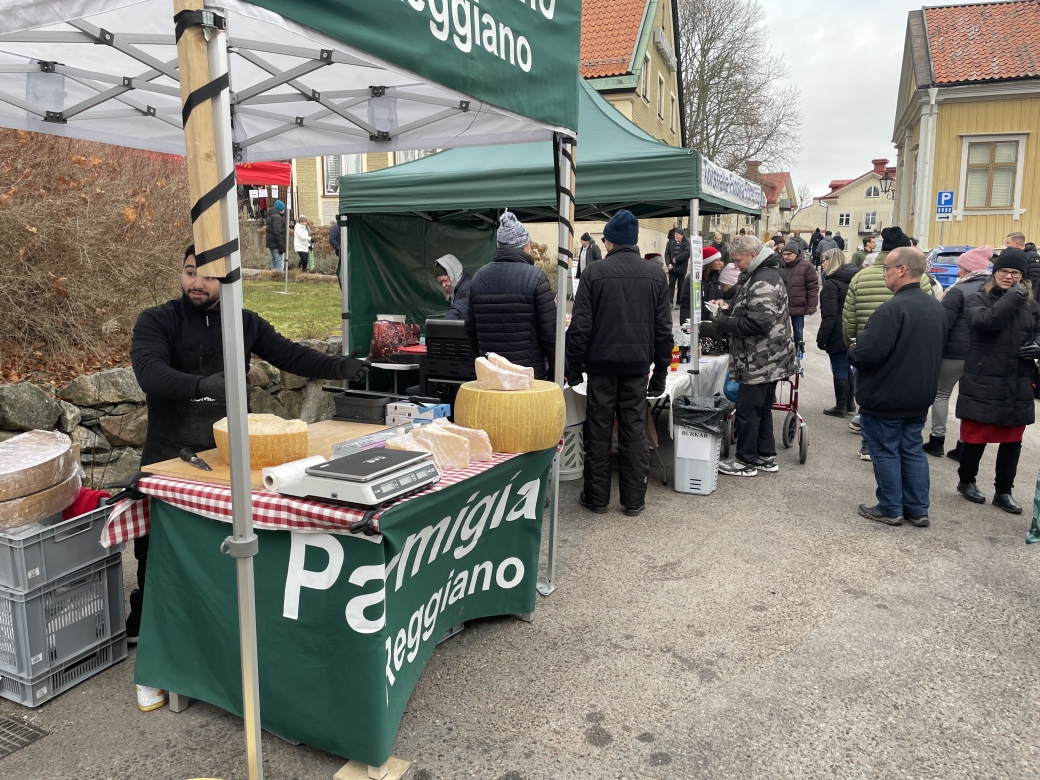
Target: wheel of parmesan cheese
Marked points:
515	420
272	440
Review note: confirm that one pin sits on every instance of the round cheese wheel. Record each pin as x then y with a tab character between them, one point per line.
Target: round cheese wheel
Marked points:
272	440
515	420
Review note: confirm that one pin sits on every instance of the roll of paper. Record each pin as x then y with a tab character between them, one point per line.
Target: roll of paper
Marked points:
276	476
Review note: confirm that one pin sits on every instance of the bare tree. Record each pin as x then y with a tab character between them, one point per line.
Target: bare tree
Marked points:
805	195
738	107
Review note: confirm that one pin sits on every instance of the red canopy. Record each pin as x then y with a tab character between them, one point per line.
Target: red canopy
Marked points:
261	173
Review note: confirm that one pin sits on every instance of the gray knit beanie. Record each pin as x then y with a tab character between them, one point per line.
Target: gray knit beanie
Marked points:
511	232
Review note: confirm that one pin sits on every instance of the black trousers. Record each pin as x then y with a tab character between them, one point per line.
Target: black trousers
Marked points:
755	422
675	282
622	396
1007	464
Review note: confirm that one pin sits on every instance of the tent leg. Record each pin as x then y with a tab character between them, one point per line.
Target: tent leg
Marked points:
344	281
696	272
564	149
208	130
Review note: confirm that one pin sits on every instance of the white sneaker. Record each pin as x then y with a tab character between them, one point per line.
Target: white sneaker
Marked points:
149	699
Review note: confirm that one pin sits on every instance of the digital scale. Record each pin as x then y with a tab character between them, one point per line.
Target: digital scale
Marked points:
366	478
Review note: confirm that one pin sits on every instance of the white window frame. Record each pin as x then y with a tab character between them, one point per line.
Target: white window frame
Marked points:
660	97
327	191
1016	210
715	221
873	191
645	85
845	219
913	185
674	111
870	221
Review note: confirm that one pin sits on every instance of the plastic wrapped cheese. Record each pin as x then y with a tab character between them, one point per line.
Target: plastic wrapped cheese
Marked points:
34	461
406	442
500	362
272	440
450	451
521	421
492	377
42	504
479	441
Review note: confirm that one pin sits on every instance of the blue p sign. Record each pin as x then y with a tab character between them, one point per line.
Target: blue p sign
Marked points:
944	203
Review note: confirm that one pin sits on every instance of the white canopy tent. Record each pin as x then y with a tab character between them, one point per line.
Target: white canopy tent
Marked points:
239	82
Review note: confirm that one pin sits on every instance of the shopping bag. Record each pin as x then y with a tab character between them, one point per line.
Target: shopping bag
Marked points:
388	337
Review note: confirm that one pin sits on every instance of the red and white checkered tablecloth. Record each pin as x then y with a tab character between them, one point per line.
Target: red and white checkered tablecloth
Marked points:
271	510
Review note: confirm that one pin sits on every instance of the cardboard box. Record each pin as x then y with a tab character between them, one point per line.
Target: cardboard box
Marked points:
417	411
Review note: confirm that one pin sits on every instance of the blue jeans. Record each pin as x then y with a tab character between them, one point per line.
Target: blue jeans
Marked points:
277	259
839	364
798	326
900	465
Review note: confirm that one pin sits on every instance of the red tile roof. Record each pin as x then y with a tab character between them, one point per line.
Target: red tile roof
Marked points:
609	30
839	184
773	185
984	42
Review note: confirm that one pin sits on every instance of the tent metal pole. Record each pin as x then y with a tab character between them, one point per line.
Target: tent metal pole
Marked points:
565	177
696	272
344	281
210	129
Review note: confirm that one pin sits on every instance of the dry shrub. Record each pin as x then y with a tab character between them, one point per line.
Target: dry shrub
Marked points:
90	234
540	254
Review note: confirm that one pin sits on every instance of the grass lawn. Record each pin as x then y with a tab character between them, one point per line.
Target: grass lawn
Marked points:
310	311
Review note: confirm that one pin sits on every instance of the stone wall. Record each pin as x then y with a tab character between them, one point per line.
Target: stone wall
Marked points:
105	413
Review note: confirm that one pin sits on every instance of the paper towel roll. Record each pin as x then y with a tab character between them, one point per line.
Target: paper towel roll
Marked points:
276	476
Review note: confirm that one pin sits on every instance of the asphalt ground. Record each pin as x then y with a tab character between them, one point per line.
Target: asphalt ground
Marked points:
764	631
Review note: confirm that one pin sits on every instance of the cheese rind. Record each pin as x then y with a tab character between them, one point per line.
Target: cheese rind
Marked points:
450	451
34	461
39	505
517	421
272	440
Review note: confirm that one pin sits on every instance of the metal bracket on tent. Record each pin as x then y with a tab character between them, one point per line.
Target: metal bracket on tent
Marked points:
47	66
105	37
463	105
57	117
378	91
379	136
240	548
198	18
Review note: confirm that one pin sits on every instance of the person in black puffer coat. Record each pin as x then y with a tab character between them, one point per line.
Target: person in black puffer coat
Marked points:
837	273
972	273
512	310
996	400
803	288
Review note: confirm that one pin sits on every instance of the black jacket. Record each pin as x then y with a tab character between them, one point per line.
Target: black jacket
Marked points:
677	253
621	322
592	254
512	312
997	386
814	239
899	354
460	299
839	241
711	290
953	302
175	345
723	248
832	302
1033	266
275	225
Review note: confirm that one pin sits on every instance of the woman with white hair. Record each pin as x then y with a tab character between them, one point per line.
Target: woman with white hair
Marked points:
302	240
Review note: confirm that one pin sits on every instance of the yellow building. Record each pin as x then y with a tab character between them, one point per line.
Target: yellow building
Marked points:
776	215
855	208
967	120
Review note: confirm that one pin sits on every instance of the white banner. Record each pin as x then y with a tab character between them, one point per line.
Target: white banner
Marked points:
717	182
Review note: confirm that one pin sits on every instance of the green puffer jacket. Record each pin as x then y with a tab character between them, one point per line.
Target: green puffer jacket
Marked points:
867	291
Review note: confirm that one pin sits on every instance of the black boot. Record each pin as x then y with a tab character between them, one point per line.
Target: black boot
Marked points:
851	398
841	392
935	445
133	620
1007	502
955	453
971	491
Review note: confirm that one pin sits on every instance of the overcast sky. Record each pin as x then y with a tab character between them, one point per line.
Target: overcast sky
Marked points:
845	57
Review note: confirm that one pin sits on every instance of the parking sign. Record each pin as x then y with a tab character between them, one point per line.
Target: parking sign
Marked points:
944	206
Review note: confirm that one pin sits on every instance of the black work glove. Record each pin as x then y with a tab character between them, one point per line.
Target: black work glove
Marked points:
1030	351
657	387
353	369
575	379
212	387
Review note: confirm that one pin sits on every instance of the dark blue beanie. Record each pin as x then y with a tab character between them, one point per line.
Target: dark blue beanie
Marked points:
623	229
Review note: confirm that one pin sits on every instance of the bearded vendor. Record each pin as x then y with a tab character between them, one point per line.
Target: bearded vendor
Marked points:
178	359
455	282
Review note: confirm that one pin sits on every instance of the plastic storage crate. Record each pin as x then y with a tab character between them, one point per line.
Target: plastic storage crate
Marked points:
356	406
695	475
42	552
50	625
44	687
572	458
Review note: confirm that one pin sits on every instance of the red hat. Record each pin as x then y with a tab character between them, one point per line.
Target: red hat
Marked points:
710	254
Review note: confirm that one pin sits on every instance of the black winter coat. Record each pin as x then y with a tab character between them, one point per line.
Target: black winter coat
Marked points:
803	286
1033	266
997	386
953	301
677	254
622	321
275	229
512	312
899	355
711	290
832	303
460	299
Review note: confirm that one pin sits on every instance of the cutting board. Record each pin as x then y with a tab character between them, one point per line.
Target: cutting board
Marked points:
321	435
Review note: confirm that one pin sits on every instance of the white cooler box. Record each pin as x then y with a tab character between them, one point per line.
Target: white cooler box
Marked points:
696	460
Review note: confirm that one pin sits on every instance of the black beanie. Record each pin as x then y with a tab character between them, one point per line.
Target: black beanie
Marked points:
1011	258
893	238
622	229
585	237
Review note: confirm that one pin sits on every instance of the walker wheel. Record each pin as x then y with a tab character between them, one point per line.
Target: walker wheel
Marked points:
727	439
803	442
789	431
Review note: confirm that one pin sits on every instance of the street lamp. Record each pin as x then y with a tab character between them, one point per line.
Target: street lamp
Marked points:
886	186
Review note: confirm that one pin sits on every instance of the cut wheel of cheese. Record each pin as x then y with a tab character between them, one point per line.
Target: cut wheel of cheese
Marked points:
479	441
491	377
37	506
517	420
406	442
272	440
34	461
500	362
450	451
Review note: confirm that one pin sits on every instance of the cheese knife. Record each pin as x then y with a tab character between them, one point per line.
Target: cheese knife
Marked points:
190	457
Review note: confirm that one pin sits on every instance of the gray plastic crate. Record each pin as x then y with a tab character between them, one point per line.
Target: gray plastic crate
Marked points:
696	476
42	552
50	625
44	687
